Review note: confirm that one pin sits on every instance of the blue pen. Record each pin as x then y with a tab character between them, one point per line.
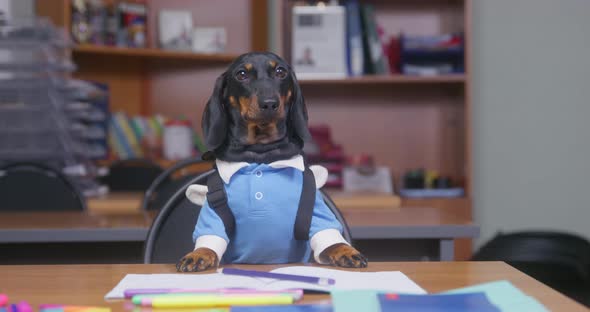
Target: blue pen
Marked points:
13	308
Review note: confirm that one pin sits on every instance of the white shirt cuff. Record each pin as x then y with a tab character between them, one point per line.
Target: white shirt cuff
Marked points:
324	239
213	242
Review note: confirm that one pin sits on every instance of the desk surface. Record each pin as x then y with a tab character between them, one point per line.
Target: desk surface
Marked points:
87	284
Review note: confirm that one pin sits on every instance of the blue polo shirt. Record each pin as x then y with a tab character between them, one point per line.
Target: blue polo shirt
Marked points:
264	201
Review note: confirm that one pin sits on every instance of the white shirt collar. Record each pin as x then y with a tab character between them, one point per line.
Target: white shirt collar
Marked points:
228	169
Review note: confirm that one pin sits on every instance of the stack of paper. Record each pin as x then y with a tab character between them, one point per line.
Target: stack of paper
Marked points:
390	281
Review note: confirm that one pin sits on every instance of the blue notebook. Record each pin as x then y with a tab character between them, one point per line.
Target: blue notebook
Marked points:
437	303
286	308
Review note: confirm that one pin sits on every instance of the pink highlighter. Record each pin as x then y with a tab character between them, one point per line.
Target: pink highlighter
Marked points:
3	300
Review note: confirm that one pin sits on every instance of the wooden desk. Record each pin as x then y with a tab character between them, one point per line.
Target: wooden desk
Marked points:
435	229
73	226
87	285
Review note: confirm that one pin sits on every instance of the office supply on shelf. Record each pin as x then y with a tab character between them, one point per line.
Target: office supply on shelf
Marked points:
132	293
476	301
319	42
389	281
279	276
3	300
287	308
505	296
175	301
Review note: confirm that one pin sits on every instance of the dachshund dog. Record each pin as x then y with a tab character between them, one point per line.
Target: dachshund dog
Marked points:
257	115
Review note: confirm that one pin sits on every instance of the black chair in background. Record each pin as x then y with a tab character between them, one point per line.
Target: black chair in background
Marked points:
164	186
132	175
28	186
170	236
559	260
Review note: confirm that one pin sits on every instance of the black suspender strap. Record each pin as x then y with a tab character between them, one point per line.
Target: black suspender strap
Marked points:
306	204
217	199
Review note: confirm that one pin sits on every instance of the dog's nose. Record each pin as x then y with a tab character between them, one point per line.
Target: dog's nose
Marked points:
269	104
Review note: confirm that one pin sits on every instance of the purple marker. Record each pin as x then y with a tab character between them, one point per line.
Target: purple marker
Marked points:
24	306
322	281
130	293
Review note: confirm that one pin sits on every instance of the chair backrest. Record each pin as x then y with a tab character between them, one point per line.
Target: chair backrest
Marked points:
132	175
551	257
170	236
164	186
27	186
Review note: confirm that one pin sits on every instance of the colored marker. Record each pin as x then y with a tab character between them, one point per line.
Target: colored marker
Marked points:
3	300
71	308
24	306
130	293
205	301
147	300
322	281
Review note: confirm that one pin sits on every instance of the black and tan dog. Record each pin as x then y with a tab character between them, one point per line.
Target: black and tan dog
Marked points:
257	114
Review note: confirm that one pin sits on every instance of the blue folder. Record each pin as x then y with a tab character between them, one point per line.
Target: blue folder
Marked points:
437	303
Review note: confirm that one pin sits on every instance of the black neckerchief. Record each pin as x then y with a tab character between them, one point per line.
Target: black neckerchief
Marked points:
258	153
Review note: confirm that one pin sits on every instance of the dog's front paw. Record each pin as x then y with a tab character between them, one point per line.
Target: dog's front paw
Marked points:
343	255
198	260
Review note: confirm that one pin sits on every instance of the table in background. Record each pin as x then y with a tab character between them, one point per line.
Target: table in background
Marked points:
113	231
87	285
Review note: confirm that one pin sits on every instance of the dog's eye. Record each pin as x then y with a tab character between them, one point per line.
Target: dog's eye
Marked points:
281	72
241	75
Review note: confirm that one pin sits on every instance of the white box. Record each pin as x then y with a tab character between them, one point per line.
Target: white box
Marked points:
209	39
319	42
175	29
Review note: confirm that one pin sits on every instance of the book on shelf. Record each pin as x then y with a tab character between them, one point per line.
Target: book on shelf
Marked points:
375	59
354	36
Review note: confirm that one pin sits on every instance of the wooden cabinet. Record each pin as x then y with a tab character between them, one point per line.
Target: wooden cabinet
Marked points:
405	122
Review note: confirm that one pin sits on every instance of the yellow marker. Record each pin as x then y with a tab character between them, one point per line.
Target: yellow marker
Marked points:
219	301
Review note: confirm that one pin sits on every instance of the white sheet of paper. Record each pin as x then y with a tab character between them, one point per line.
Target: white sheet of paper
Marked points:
392	281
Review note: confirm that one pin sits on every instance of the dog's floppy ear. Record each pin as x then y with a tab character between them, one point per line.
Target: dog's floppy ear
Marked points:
298	112
214	122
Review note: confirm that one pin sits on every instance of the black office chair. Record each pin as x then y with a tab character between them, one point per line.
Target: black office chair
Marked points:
164	186
560	260
28	186
170	236
132	175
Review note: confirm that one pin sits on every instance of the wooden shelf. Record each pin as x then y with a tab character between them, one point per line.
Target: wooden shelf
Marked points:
152	53
387	79
164	163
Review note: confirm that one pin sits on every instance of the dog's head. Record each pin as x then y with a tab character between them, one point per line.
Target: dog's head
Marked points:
256	101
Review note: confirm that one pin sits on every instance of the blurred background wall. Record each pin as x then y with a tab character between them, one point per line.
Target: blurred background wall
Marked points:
531	110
